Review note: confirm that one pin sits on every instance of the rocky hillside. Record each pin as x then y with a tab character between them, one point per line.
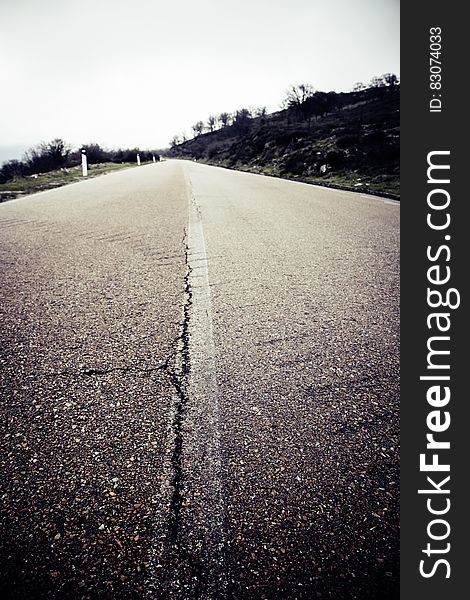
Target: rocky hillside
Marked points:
355	145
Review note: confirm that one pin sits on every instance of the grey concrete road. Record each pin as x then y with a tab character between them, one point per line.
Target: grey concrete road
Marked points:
199	389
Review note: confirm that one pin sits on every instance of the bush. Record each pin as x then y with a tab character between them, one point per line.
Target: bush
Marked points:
335	158
284	138
346	141
212	152
384	154
375	137
11	170
96	154
294	164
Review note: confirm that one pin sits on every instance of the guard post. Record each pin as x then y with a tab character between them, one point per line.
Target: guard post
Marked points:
84	163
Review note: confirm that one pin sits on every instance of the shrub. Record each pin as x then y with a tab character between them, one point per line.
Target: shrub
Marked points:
346	141
11	170
335	158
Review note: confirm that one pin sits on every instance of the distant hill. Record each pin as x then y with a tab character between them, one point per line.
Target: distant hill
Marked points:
356	145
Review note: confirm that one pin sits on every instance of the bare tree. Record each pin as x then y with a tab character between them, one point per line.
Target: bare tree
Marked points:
297	96
47	156
211	122
262	113
242	119
358	87
332	102
225	119
198	128
390	79
377	82
175	140
58	150
314	106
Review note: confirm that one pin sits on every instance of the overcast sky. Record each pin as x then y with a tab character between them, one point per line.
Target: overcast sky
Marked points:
125	73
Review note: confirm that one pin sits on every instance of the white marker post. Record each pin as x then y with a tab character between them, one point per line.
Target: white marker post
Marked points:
84	164
138	160
153	158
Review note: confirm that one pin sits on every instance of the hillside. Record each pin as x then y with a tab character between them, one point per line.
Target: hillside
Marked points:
355	146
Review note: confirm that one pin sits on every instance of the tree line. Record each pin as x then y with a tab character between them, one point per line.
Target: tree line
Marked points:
238	119
58	154
301	101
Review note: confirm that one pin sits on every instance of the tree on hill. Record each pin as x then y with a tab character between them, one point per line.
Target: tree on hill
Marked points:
198	128
225	119
11	169
296	99
58	151
359	87
211	123
319	105
384	83
175	140
313	106
261	113
96	154
242	119
332	102
47	156
377	82
391	80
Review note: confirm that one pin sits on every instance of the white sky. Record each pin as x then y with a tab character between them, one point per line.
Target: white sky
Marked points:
134	73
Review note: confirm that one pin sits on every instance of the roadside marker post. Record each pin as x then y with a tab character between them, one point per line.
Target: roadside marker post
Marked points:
138	160
84	164
153	158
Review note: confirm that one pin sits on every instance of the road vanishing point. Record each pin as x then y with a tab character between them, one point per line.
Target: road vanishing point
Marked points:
200	389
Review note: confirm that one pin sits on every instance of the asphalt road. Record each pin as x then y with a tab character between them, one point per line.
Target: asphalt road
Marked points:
199	389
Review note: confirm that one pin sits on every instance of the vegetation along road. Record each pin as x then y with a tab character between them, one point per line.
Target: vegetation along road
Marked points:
199	389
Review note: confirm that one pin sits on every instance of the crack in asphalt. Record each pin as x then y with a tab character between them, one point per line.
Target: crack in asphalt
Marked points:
178	369
180	383
188	552
107	371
